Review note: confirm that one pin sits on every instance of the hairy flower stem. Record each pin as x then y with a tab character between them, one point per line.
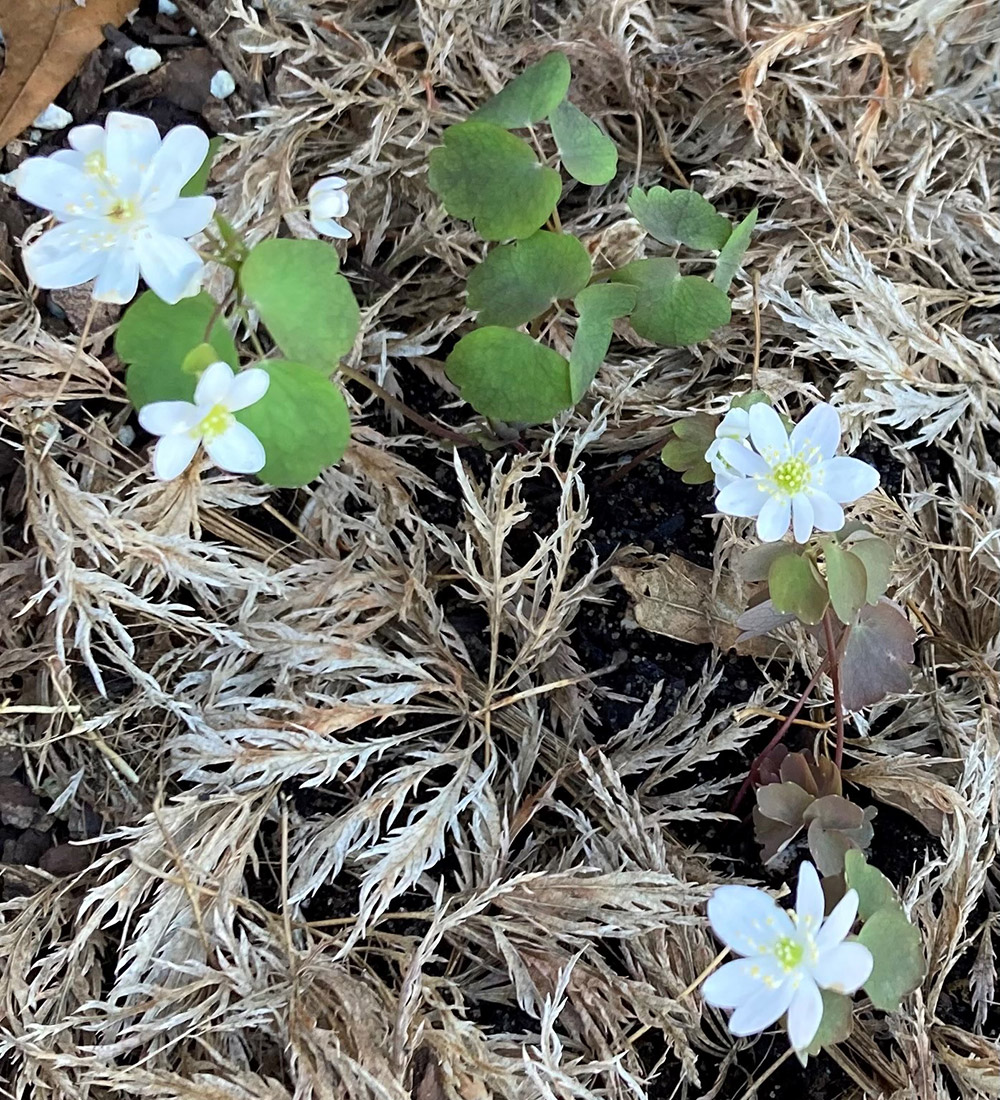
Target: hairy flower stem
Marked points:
411	414
838	702
779	736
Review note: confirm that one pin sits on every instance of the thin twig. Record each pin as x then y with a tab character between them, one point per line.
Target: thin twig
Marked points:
411	414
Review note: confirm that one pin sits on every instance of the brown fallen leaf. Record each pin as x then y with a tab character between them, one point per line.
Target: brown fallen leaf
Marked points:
47	41
675	598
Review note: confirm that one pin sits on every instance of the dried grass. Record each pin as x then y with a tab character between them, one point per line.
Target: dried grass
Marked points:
348	854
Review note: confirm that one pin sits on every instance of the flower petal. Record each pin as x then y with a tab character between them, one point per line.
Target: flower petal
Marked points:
736	982
744	497
827	513
184	218
179	156
119	278
247	388
57	260
747	921
774	517
329	228
762	1010
735	425
846	479
237	449
57	186
742	458
214	385
768	433
804	1014
173	453
131	143
325	185
838	923
168	417
845	969
169	265
810	903
87	139
802	517
819	429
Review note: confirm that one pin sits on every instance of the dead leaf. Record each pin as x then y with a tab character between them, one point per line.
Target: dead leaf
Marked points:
47	42
676	599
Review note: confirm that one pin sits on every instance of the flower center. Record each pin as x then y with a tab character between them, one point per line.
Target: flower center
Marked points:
213	423
95	163
788	952
793	475
122	211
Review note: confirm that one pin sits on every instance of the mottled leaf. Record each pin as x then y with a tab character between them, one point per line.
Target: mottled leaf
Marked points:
874	890
796	589
516	282
877	656
898	956
846	581
672	309
679	217
876	556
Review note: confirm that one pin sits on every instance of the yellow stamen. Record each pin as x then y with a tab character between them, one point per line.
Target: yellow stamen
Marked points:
213	423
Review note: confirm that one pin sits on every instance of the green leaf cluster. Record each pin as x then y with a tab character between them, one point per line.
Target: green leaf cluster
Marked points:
895	943
854	573
311	313
685	453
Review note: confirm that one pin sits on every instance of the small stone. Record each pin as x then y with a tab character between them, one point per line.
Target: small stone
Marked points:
66	859
19	808
167	7
143	60
222	85
53	118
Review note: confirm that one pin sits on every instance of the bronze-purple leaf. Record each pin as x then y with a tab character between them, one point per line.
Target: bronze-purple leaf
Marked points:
877	656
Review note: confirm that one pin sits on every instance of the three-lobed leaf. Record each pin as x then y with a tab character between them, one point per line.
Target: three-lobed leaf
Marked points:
732	252
876	556
302	422
154	340
796	590
506	375
897	955
599	306
874	890
530	96
492	178
877	658
679	217
672	309
846	580
516	282
835	1024
306	304
587	153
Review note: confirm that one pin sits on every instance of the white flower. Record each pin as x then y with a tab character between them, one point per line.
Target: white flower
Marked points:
53	118
222	84
793	478
116	192
789	957
735	425
141	59
209	420
327	202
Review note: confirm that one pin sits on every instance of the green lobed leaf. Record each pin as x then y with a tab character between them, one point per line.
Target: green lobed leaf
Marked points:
835	1024
505	374
897	954
846	580
199	181
530	96
876	556
685	459
307	306
587	153
598	305
492	178
672	309
755	563
516	282
874	890
679	217
746	401
732	252
795	589
154	339
302	421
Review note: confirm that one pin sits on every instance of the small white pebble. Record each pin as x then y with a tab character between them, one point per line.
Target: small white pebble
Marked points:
53	118
142	59
167	7
222	85
126	435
